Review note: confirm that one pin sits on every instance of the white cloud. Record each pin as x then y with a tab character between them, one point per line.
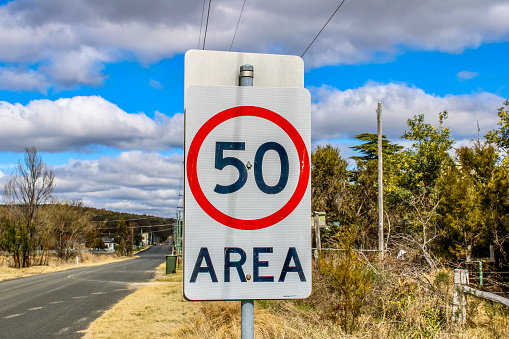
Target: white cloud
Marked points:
73	39
81	122
155	84
136	181
466	75
344	114
75	67
16	79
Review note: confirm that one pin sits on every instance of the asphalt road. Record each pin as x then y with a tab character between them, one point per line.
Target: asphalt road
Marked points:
58	305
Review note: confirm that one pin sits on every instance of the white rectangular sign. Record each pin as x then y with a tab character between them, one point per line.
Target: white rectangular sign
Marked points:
219	68
247	193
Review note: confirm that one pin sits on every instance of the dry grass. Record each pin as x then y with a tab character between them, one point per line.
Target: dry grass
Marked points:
396	308
55	265
222	320
161	275
159	311
155	310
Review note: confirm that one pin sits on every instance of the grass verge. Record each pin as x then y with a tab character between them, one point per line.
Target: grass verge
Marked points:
156	310
56	265
396	308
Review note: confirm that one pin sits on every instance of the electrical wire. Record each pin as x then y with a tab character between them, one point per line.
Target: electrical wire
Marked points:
238	22
206	26
137	226
100	221
496	282
201	22
341	4
166	229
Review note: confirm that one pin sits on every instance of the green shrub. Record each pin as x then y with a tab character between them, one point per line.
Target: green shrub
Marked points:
348	276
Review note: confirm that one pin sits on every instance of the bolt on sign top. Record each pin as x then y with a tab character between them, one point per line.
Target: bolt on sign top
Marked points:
247	190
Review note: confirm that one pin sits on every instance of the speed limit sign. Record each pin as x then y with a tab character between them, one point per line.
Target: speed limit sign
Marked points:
247	194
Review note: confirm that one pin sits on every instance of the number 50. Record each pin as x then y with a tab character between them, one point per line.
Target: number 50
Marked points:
222	161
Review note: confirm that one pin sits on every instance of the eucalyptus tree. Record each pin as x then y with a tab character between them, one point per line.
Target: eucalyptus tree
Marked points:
422	166
500	136
329	180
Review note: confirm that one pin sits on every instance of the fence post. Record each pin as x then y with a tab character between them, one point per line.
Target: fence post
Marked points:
317	232
480	272
459	300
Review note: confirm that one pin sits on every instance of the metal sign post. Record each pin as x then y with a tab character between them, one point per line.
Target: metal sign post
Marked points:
246	306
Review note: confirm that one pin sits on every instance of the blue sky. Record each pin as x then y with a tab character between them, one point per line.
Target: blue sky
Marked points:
98	87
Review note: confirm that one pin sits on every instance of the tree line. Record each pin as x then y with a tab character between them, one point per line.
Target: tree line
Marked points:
441	204
34	224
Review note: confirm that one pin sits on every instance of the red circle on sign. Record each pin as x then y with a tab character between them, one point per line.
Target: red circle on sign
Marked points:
206	205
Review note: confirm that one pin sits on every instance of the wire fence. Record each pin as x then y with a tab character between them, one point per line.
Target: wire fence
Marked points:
496	282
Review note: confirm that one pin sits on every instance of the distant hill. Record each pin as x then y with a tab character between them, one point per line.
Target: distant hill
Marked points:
107	220
101	215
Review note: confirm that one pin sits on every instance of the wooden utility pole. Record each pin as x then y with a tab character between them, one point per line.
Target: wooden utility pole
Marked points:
317	232
380	185
132	240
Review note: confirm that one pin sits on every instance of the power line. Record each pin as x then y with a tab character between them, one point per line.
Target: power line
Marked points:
323	27
207	25
238	22
166	229
107	220
201	22
136	226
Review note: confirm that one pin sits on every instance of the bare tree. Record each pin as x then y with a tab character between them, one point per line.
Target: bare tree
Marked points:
424	219
28	189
